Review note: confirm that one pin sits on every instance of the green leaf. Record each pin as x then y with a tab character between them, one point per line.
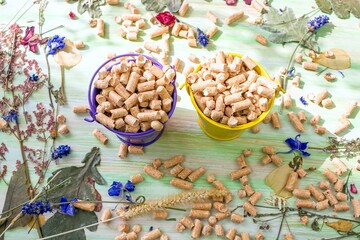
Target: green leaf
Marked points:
324	6
341	8
80	180
284	27
155	5
60	223
355	7
93	7
16	194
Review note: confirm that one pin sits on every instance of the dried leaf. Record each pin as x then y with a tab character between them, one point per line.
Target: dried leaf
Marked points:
277	179
341	8
59	223
324	6
174	5
315	225
155	5
284	27
339	61
16	194
341	225
81	180
93	7
69	56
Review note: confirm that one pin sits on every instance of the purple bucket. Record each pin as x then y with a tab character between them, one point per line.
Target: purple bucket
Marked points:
140	138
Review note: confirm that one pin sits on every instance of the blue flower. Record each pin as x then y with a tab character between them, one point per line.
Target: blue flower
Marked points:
55	43
34	77
67	208
318	22
291	72
129	186
115	189
36	208
303	101
61	151
11	117
203	40
296	144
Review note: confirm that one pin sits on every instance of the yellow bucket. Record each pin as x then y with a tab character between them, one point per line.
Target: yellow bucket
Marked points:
220	131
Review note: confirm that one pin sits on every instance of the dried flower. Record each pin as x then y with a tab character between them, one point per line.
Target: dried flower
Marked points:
116	189
303	101
203	40
291	72
296	145
129	186
36	208
12	116
318	22
166	18
353	188
72	15
32	40
34	77
248	2
66	207
69	56
61	151
54	44
231	2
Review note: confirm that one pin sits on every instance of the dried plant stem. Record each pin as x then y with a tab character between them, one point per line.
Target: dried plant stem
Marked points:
170	201
62	87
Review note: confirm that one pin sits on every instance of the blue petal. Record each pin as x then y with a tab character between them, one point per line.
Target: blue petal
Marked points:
63	204
303	145
128	198
129	186
305	154
70	210
291	143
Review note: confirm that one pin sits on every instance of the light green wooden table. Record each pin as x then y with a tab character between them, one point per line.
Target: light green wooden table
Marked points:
183	135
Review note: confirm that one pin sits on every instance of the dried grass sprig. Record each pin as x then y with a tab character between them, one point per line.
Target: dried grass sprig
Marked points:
170	201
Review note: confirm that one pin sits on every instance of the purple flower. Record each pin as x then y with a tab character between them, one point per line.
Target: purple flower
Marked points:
67	208
55	43
291	72
11	117
61	151
129	186
303	100
318	22
115	189
353	188
231	2
203	40
296	144
36	208
33	77
248	2
31	39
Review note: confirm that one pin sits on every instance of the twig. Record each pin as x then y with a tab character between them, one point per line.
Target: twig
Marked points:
281	224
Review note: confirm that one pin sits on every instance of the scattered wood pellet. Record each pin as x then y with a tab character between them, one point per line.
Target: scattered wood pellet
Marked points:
275	120
330	175
310	66
86	206
206	231
288	236
231	233
80	109
106	215
305	203
202	206
136	178
196	231
187	222
339	185
184	173
136	149
211	178
124	228
234	17
152	235
160	214
356	207
261	39
173	161
63	130
183	8
219	230
123	150
212	17
330	197
3	123
179	227
341	207
316	193
153	172
100	25
296	81
212	31
342	126
177	182
239	173
322	205
350	109
100	136
301	193
61	119
249	208
292	179
255	129
196	174
324	185
258	6
299	127
276	159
